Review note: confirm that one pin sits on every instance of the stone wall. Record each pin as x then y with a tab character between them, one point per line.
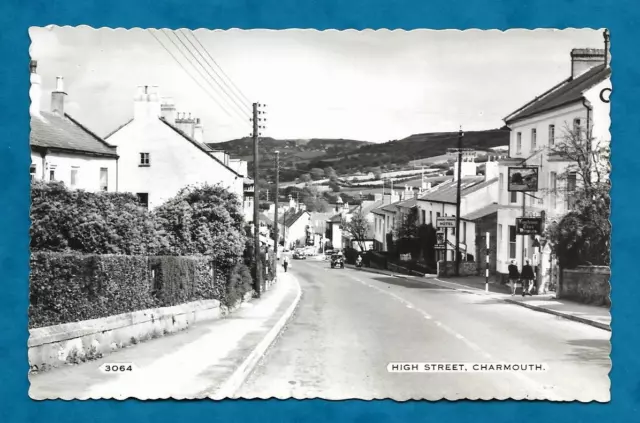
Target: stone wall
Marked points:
399	269
586	284
467	268
54	346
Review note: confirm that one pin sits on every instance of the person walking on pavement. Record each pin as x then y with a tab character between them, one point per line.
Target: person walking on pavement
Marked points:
514	275
285	263
527	277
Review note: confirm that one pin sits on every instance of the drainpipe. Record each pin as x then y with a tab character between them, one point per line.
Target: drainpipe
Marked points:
586	104
117	167
44	163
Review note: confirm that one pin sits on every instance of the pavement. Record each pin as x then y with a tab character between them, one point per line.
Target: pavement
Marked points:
350	324
596	316
210	359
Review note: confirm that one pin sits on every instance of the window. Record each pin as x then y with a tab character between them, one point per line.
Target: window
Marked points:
431	216
500	187
534	139
553	185
143	199
552	135
144	159
52	175
32	171
576	127
464	232
74	177
104	179
514	197
424	218
498	246
512	242
518	142
437	215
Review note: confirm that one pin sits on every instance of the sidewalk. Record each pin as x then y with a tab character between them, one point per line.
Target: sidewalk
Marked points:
211	359
597	316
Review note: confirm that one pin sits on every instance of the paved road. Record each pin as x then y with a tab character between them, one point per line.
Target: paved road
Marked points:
350	324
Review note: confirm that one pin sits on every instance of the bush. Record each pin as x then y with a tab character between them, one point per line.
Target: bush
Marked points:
65	220
240	282
68	288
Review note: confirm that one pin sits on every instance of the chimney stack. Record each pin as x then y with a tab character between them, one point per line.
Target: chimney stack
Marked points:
57	98
35	90
583	59
146	103
168	110
198	131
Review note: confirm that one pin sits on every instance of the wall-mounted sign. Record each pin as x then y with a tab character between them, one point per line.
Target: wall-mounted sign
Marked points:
445	222
528	226
523	179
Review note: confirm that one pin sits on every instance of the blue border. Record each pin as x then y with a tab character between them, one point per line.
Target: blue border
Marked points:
621	17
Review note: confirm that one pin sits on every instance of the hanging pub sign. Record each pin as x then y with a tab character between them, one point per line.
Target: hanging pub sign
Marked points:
528	225
439	241
523	179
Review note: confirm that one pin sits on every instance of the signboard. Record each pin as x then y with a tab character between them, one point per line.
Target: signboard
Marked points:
439	241
405	257
445	222
528	225
523	179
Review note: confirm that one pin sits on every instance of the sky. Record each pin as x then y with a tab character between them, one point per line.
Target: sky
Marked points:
366	85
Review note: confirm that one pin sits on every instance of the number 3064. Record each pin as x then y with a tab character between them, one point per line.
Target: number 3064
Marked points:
117	368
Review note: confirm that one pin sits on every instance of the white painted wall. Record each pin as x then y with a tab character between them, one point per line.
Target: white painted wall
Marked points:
174	162
87	168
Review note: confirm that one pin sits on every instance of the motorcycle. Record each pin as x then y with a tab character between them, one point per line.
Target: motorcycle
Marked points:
358	264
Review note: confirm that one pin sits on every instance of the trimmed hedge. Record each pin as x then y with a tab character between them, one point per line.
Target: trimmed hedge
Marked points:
68	288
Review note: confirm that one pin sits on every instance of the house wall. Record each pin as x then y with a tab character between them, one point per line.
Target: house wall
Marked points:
483	225
298	231
174	162
467	228
336	236
88	169
554	205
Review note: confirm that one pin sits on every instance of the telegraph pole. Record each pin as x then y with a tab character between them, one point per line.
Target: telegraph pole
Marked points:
256	199
457	250
276	241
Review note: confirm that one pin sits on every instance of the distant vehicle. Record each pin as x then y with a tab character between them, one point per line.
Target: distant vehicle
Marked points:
299	255
337	260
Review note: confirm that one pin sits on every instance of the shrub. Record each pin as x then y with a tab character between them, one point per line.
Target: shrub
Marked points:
66	220
240	282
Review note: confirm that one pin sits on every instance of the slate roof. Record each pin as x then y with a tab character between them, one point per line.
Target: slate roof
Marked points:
412	202
293	218
370	207
482	212
49	130
568	91
336	218
448	191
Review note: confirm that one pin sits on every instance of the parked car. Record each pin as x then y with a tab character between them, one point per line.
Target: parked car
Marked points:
299	255
337	261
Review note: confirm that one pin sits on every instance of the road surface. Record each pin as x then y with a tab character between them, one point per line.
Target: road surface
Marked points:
351	324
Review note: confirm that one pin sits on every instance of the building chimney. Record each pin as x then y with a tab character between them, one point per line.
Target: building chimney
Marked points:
469	166
198	131
606	48
57	98
168	110
583	59
491	170
146	103
35	91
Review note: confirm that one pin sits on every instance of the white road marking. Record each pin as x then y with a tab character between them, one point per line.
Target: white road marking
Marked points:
535	386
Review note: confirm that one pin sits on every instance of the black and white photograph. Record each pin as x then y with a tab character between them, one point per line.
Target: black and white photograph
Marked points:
375	214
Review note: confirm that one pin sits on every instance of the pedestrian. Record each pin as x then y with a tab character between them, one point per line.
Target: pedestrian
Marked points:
514	275
527	277
285	263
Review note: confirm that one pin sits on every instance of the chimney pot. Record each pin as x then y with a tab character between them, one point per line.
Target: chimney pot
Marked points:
60	84
33	66
57	98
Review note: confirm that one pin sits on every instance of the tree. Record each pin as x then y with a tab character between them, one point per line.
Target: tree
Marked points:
335	187
317	173
357	227
408	226
377	175
203	220
305	178
583	235
330	172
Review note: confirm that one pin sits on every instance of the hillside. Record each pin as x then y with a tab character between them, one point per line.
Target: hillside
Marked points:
298	157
